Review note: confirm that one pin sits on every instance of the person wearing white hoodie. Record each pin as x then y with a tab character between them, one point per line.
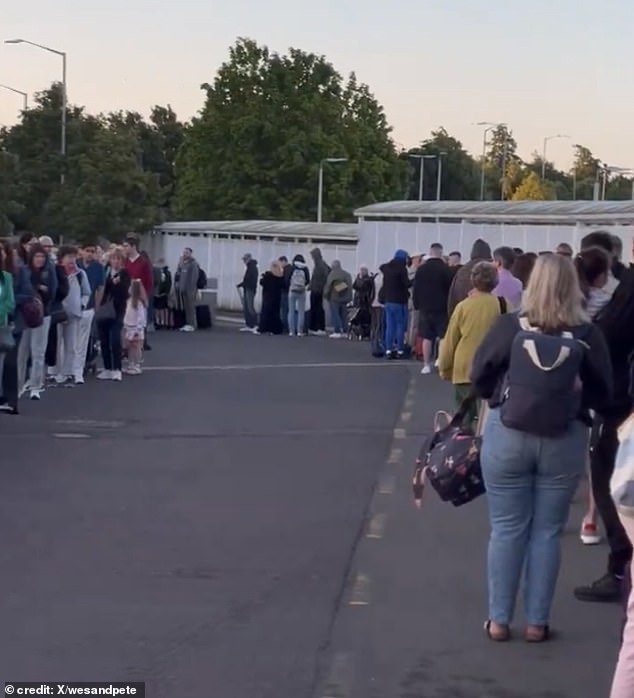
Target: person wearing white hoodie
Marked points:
75	303
298	283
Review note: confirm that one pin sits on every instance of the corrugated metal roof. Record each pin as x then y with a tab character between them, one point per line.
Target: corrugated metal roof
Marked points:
291	229
518	211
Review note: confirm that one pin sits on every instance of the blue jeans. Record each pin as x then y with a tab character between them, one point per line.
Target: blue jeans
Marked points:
339	317
530	482
296	312
395	326
248	307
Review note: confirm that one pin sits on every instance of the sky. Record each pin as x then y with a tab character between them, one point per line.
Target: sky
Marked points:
544	67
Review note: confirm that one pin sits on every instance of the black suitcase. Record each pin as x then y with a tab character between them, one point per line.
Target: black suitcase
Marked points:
203	317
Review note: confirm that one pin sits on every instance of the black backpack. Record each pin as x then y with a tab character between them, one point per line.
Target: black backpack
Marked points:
450	460
542	391
201	283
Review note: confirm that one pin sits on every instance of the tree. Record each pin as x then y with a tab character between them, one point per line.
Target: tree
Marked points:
268	122
502	164
460	173
533	188
105	190
585	171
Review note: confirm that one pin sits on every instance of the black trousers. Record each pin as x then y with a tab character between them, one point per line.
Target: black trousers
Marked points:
317	313
601	469
9	376
110	340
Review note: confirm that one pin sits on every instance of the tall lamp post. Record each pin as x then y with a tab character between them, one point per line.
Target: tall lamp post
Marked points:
320	189
25	95
421	173
549	138
490	126
441	155
63	56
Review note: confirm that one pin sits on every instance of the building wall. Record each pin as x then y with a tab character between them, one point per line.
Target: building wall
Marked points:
378	240
221	257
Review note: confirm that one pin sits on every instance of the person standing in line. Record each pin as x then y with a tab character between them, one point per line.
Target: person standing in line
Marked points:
139	266
430	295
317	325
299	282
508	287
134	324
454	262
22	293
163	288
96	278
287	270
249	287
34	340
272	283
395	295
7	306
338	292
70	364
58	314
461	284
110	316
187	288
534	446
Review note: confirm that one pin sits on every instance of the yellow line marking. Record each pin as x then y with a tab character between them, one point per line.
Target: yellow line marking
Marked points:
376	526
360	595
395	456
386	485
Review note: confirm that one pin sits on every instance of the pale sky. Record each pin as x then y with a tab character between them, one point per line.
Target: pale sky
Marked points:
543	66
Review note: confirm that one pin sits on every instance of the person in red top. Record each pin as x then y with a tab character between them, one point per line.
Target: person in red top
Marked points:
139	266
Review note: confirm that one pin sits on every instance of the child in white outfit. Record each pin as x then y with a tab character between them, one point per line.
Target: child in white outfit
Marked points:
134	324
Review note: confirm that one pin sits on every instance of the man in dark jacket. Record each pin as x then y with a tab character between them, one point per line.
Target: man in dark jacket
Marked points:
481	252
395	296
431	293
288	270
249	286
317	324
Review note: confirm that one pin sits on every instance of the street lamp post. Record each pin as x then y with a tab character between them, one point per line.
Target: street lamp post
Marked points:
320	189
63	56
549	138
421	173
25	95
490	126
439	174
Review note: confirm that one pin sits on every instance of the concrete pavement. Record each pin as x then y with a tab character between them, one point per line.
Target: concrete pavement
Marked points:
244	528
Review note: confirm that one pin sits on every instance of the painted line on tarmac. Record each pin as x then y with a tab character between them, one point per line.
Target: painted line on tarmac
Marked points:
395	456
256	367
69	435
386	485
376	526
360	595
339	678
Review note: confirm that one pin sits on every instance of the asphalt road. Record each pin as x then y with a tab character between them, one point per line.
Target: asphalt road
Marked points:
228	525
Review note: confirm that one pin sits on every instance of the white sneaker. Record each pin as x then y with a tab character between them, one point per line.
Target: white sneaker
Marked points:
35	394
255	330
321	333
104	375
336	335
426	370
116	376
188	328
291	334
59	379
246	329
79	380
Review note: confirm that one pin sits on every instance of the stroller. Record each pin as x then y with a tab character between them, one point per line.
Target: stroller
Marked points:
360	324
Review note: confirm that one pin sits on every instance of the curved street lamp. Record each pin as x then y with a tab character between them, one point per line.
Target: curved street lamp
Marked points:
25	95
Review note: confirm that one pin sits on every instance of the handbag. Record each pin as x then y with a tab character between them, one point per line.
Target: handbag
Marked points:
33	312
340	287
450	460
7	340
105	312
58	315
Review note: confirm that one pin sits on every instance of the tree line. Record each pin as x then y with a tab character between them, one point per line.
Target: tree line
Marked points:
268	123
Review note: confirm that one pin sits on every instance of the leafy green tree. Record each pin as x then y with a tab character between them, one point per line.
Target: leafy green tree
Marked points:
268	122
502	164
585	172
533	188
460	173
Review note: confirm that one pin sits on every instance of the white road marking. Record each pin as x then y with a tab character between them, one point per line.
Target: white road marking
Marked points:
360	595
406	416
386	485
70	435
395	456
338	682
376	526
255	367
399	433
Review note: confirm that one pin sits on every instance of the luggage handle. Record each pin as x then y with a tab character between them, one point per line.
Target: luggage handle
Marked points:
465	406
444	415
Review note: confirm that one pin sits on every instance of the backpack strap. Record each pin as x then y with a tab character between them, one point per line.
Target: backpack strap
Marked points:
531	349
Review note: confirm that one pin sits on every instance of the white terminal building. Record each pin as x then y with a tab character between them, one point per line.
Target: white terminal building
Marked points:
383	228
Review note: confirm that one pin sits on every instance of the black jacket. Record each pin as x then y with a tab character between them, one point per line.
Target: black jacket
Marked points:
431	287
395	288
491	363
250	280
39	280
117	292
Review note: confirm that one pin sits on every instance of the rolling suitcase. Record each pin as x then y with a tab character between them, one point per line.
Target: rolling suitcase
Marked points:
203	317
